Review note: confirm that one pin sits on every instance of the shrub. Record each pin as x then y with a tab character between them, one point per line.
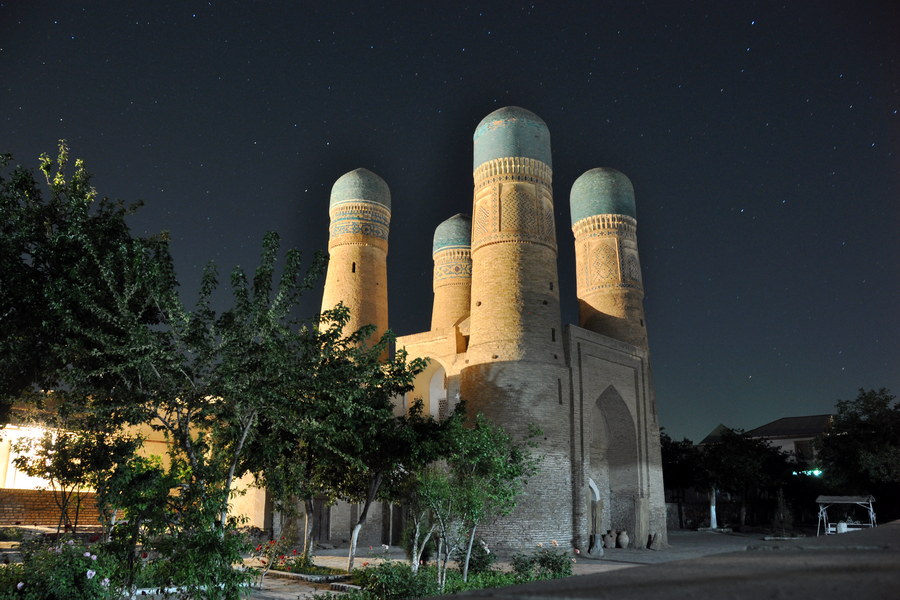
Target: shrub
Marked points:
407	541
481	560
544	563
201	562
60	571
394	580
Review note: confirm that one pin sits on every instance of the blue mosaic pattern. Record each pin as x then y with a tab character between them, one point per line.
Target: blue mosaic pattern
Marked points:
511	131
455	232
356	218
360	184
601	191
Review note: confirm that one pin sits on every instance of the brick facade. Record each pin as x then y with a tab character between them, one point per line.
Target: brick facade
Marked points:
38	507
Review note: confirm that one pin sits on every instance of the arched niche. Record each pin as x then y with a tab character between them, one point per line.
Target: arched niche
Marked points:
613	459
431	387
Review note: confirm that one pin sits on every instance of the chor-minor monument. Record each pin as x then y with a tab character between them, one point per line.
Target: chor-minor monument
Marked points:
497	339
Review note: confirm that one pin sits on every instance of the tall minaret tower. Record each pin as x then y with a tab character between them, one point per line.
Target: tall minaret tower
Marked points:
360	211
516	373
452	252
610	292
515	288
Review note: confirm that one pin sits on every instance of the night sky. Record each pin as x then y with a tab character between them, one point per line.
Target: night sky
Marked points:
763	142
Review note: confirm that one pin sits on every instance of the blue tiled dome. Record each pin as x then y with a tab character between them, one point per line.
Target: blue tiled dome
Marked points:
455	232
361	184
511	131
601	191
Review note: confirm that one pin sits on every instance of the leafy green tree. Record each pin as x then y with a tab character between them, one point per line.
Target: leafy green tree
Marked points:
860	452
371	443
480	476
297	438
54	248
121	349
72	461
491	470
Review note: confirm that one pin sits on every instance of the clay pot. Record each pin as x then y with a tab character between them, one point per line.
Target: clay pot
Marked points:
609	540
622	539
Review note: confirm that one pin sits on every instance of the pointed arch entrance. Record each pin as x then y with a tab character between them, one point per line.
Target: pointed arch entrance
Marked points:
612	466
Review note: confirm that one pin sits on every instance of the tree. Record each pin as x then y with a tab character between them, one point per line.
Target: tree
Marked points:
490	470
46	266
119	348
72	460
681	469
368	447
297	440
742	466
481	475
860	452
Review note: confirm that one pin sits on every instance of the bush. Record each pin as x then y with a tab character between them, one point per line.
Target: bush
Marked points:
406	537
544	563
11	534
61	571
394	580
201	562
481	560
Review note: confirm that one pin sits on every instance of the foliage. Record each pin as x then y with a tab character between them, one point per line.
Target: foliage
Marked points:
743	466
121	349
11	534
484	472
420	585
269	554
549	562
200	561
861	450
60	571
394	580
56	251
481	559
681	468
71	461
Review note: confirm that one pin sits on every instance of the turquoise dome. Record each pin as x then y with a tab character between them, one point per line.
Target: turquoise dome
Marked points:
455	232
511	131
601	191
361	184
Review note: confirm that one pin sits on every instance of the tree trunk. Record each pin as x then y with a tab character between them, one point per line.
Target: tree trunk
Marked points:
374	485
465	572
713	523
308	528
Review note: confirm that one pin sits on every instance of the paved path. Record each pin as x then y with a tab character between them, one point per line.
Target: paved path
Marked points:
863	565
682	545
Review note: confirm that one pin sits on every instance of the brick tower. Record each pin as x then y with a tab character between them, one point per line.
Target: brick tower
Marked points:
452	282
516	373
360	211
610	292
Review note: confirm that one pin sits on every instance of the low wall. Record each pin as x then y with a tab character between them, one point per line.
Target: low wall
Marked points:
38	507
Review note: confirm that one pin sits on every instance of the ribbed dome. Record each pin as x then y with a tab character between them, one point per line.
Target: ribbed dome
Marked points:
455	232
361	184
511	131
601	191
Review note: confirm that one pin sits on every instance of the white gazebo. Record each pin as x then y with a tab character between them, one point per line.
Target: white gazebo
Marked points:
825	502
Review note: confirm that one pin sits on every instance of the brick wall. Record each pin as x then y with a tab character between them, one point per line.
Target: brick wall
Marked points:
38	507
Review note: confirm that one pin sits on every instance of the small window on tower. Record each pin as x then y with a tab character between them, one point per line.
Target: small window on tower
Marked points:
552	334
353	268
551	286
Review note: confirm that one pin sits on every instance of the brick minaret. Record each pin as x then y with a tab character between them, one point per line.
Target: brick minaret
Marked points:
360	211
608	270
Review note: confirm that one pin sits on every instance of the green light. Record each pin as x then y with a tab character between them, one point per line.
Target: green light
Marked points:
809	473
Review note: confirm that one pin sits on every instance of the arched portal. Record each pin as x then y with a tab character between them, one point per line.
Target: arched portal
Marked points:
431	387
613	461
